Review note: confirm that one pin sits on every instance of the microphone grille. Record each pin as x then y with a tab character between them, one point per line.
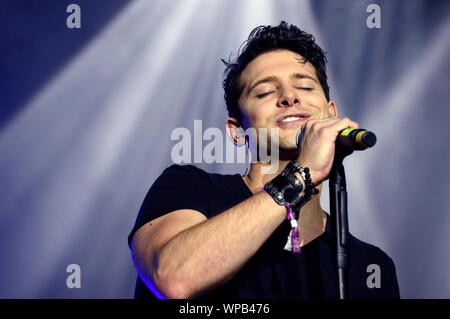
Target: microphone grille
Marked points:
369	139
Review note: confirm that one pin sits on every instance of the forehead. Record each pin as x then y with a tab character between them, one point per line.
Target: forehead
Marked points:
275	63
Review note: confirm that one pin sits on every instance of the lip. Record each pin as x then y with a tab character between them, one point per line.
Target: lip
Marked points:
302	117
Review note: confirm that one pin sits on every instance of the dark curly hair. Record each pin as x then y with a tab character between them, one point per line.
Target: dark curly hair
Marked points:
265	39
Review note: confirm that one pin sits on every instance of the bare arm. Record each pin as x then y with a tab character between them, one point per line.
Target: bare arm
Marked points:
184	254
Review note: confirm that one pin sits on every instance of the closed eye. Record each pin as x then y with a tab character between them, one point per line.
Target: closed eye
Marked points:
305	88
260	96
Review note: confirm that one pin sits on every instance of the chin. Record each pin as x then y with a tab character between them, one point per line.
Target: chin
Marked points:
288	145
288	151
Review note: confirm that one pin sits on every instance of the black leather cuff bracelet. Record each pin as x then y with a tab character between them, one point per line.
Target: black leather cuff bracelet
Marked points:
286	187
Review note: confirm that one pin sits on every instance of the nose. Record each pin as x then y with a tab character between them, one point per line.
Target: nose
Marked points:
288	97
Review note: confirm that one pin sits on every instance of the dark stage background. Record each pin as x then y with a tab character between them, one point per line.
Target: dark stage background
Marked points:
87	115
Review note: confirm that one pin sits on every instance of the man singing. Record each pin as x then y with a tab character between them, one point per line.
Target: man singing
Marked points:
203	235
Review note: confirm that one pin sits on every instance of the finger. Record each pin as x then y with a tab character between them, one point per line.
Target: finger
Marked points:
329	127
349	123
337	121
319	123
342	124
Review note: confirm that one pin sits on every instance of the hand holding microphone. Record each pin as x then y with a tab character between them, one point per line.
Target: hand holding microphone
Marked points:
353	138
318	139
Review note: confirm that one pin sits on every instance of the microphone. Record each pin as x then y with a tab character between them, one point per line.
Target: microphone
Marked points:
356	139
351	138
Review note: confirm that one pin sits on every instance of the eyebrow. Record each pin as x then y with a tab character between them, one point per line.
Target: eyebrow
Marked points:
273	78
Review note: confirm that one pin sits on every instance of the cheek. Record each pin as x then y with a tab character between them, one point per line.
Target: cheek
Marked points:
254	116
245	119
245	122
263	118
318	102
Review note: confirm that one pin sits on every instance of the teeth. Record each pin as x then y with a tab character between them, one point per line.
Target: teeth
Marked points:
291	118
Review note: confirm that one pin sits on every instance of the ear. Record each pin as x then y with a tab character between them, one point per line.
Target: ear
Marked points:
332	109
235	131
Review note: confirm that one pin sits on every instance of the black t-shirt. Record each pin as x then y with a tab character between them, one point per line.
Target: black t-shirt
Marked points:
272	272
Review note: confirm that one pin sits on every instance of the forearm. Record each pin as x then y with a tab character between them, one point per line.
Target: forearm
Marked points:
208	254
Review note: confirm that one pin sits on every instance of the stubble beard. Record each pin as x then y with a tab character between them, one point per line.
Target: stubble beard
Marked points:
287	148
